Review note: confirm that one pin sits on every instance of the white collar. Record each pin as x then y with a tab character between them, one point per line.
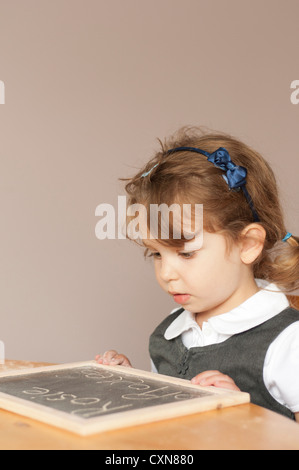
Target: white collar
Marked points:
259	308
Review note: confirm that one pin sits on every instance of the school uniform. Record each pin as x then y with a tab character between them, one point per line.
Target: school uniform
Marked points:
256	344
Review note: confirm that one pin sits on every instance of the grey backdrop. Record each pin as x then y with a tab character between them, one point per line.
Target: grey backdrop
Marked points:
89	86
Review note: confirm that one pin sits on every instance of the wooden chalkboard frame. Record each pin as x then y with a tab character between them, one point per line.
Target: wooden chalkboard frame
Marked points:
217	399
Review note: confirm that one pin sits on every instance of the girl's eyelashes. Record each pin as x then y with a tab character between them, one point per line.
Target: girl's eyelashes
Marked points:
187	254
183	254
154	254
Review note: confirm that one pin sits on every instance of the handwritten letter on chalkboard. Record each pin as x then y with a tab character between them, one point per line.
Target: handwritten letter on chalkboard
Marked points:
87	397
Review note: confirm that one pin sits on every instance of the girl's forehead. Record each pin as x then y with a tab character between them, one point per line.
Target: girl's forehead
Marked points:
151	244
175	222
191	245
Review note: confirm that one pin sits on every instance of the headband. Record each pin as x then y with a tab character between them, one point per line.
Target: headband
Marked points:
235	176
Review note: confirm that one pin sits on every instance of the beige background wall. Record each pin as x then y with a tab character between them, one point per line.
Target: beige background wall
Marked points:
89	86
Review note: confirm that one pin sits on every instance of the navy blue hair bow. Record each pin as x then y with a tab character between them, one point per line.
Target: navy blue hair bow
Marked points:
235	175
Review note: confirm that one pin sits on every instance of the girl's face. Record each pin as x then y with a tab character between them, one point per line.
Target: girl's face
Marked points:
209	281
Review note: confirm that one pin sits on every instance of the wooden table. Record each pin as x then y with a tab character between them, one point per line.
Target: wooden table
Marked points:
240	427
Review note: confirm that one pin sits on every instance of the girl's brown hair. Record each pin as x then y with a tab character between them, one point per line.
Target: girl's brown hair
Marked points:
188	178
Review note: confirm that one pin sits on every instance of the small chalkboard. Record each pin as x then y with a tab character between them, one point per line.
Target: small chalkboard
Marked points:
87	398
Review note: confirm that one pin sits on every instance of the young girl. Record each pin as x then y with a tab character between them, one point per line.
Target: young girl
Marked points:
235	327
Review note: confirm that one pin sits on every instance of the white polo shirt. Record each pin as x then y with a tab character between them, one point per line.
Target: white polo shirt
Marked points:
281	367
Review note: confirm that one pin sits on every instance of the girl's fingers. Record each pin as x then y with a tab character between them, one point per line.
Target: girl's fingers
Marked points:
121	360
227	385
112	357
216	379
203	376
106	357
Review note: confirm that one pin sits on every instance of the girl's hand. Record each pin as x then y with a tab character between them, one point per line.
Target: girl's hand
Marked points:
215	378
112	358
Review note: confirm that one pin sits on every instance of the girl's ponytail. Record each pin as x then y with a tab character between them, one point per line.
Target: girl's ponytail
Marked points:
280	264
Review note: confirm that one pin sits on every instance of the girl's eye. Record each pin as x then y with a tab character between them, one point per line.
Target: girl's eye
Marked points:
188	254
154	255
185	255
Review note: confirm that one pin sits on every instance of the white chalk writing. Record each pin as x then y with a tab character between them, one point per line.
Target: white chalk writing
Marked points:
90	392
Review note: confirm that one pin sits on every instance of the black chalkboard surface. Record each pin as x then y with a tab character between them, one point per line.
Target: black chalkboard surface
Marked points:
87	397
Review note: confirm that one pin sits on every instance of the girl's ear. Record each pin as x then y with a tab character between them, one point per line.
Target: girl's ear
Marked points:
252	242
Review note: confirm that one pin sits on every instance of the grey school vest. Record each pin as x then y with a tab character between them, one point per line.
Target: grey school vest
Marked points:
241	357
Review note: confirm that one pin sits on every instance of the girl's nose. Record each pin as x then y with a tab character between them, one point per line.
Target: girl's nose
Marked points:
168	271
